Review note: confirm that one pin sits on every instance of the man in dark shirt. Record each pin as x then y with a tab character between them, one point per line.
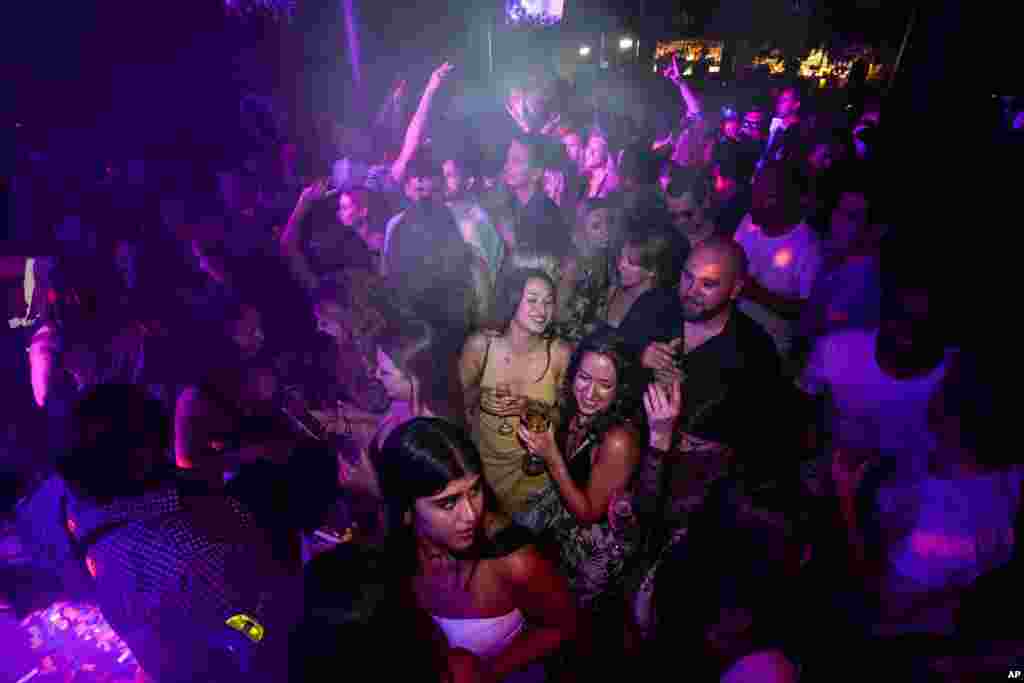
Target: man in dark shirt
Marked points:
182	573
727	363
539	222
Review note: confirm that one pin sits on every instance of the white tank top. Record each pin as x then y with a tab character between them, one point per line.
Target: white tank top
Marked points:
486	638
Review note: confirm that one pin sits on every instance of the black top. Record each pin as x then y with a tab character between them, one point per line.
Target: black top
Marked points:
650	318
733	381
730	213
540	225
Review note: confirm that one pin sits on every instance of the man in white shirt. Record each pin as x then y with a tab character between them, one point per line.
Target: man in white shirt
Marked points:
785	255
880	382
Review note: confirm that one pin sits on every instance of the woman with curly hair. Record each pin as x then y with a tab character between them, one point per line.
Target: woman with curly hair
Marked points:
591	459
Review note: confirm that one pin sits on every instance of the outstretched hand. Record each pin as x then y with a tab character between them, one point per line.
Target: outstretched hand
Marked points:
321	189
664	405
439	76
672	72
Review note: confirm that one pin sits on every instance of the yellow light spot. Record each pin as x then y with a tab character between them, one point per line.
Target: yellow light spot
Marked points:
783	257
247	626
90	564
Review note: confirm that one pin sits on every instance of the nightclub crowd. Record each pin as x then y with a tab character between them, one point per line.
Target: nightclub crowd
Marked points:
554	394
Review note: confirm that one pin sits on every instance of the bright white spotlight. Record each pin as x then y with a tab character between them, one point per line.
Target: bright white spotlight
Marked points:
626	43
584	50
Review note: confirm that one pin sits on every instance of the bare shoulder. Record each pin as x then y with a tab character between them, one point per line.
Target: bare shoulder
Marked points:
522	565
621	440
770	666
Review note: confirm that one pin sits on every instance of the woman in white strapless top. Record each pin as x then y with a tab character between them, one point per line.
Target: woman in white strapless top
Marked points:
482	582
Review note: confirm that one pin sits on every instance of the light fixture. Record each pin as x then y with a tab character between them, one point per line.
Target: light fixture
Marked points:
625	43
584	50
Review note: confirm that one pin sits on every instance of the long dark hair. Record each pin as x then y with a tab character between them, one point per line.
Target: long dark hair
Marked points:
625	409
419	459
511	290
657	252
429	358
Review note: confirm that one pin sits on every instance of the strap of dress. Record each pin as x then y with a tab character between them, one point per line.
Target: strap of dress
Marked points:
483	366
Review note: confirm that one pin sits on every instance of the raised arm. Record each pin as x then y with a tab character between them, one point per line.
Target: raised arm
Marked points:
691	100
43	361
414	133
291	236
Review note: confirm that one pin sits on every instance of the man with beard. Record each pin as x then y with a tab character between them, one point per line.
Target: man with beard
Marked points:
727	363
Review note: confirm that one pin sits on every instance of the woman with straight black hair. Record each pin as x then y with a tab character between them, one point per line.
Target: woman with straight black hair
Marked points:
478	578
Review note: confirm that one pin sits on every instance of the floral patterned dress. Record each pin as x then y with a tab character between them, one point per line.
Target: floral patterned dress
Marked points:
595	558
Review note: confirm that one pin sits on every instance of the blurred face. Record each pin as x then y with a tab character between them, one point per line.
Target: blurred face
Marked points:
630	271
418	188
596	384
787	105
596	154
687	215
554	186
396	383
248	332
262	385
772	200
452	518
597	228
753	125
329	318
350	213
821	158
453	179
722	185
907	328
518	174
849	221
707	286
573	147
869	118
536	307
731	128
373	239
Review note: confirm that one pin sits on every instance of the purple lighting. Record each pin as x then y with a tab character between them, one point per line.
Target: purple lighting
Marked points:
353	42
280	9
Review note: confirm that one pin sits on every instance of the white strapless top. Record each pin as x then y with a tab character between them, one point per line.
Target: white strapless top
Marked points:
485	638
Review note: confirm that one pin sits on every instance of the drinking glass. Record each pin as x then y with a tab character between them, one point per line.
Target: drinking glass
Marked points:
502	392
537	417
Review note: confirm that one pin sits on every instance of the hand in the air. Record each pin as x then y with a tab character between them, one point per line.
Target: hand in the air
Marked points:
664	405
439	76
319	190
672	72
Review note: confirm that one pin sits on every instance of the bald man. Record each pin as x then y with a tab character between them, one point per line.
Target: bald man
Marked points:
727	363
